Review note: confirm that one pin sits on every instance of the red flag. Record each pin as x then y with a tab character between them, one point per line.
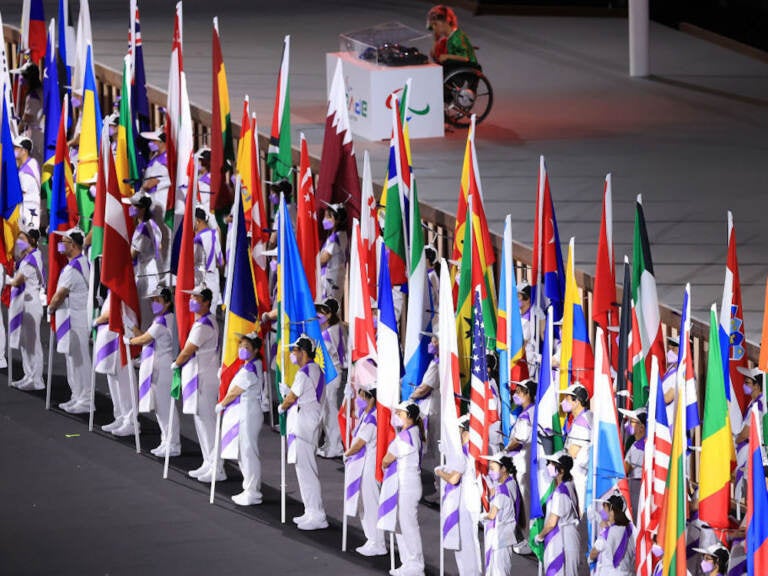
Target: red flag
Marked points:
306	222
185	277
338	180
370	232
222	148
604	296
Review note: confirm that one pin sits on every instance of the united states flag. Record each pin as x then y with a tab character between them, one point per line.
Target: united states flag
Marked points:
480	389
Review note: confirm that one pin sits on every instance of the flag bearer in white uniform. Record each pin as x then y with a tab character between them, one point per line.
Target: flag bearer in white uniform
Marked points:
146	251
303	407
208	256
361	489
29	178
333	336
406	450
159	343
203	344
26	310
247	387
69	304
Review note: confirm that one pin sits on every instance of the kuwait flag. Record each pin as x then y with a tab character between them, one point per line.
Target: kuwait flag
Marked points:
338	180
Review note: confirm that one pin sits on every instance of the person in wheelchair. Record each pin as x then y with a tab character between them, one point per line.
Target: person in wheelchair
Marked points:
452	47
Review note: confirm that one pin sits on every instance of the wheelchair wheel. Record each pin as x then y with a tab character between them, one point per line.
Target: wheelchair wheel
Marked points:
466	91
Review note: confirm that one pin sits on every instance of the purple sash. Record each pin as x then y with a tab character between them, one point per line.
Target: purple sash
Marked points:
621	551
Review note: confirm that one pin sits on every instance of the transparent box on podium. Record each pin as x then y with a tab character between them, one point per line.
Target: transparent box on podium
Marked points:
388	44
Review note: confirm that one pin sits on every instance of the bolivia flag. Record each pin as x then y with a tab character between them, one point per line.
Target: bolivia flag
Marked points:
717	450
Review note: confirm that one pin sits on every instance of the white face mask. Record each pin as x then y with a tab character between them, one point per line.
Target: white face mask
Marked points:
397	422
294	360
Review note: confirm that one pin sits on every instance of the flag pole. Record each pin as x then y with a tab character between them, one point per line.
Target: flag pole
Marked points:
344	511
168	444
281	347
216	443
134	402
10	352
282	479
89	315
92	407
50	365
440	523
392	551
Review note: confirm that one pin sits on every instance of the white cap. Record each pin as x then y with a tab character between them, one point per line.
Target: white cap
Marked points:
634	414
405	404
752	373
711	549
156	135
571	390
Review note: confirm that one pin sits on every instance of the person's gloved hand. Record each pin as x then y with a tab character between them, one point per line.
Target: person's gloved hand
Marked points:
174	366
219	408
280	409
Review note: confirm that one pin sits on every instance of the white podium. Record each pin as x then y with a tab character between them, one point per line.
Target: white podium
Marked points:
369	86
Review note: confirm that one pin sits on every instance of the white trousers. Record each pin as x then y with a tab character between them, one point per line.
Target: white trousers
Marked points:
79	366
162	392
29	342
205	419
250	459
368	503
468	556
329	417
501	562
409	534
309	483
120	390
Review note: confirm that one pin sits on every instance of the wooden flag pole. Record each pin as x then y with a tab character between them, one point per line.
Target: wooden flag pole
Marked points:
134	401
168	439
216	443
50	366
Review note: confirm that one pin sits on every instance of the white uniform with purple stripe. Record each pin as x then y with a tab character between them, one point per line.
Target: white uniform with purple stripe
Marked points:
361	491
466	513
334	343
147	263
249	378
580	434
73	327
332	272
205	335
155	359
25	313
562	545
208	259
521	457
303	431
29	178
616	545
106	360
158	168
406	447
500	532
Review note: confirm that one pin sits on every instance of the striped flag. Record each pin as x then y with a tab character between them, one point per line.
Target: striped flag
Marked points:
222	145
450	438
398	186
306	222
607	452
644	290
370	233
388	373
65	49
644	542
279	155
576	356
757	503
11	198
510	344
661	441
84	39
674	512
362	334
686	377
125	155
639	378
732	334
480	390
717	450
52	106
548	275
90	143
240	299
418	319
546	426
33	36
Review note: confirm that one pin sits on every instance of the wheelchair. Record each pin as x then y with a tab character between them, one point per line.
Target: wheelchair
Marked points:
466	91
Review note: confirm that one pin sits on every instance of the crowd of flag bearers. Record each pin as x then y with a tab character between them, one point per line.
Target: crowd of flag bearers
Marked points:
197	291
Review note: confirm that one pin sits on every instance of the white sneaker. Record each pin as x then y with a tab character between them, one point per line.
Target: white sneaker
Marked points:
175	451
207	476
78	408
371	548
299	519
114	425
20	383
318	523
522	548
158	451
3	362
30	385
65	405
126	429
198	471
246	499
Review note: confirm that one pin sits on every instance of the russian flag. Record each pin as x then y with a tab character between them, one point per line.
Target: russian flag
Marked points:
757	504
33	36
